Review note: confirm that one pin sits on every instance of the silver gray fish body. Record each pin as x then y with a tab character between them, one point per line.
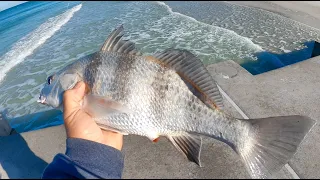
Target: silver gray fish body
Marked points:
172	95
159	101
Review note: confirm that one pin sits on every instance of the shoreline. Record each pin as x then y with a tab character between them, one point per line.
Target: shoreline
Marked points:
305	12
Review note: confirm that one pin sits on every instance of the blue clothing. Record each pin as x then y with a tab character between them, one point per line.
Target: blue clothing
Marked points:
86	159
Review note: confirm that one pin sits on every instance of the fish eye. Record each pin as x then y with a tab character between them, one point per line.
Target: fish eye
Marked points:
50	79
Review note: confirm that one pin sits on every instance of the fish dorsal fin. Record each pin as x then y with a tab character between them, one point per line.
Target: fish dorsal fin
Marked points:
194	74
114	43
189	145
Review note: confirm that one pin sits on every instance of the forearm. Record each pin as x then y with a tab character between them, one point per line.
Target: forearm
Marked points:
86	159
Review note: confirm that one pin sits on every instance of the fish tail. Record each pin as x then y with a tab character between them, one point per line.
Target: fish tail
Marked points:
271	142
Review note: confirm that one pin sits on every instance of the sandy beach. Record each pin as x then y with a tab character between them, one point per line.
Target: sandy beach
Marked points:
306	12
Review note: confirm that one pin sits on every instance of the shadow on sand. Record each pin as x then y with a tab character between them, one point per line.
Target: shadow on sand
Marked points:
16	158
269	61
23	163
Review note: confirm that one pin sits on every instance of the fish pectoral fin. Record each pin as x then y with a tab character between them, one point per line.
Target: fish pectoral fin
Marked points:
100	106
189	145
67	81
111	129
156	140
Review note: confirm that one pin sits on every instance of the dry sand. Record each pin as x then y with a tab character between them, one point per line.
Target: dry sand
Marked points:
306	12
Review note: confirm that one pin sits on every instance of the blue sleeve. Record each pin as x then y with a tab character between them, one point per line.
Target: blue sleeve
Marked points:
86	159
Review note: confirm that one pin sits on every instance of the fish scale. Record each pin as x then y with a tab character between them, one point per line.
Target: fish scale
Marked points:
171	94
143	74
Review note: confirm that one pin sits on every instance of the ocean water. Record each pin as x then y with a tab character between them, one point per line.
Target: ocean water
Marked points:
39	38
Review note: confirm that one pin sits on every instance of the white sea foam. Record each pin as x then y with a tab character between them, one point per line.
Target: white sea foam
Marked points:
244	39
25	46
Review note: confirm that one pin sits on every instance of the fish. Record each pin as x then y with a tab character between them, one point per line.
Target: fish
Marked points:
171	94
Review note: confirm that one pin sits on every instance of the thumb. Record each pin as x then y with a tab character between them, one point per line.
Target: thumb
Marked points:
73	97
79	90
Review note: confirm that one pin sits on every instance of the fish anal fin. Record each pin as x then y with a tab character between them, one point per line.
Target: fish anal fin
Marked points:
189	145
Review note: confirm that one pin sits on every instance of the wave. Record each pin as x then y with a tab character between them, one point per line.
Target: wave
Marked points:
244	39
25	46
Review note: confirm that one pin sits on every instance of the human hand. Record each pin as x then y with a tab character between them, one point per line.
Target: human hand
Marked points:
80	124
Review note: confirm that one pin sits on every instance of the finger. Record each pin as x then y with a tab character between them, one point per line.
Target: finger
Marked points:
73	96
72	99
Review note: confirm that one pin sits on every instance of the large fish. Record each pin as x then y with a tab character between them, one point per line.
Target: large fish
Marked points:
172	94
